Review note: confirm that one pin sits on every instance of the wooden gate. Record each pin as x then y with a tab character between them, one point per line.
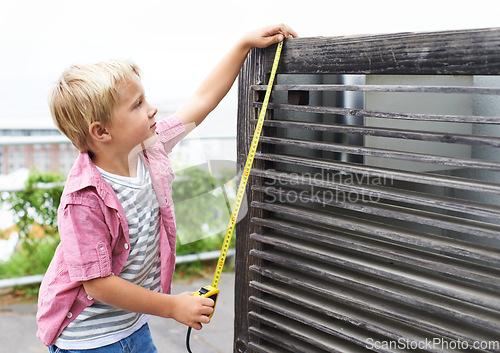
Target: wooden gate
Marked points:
374	201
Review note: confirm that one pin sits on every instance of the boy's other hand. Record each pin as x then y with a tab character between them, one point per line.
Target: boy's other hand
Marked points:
264	37
192	311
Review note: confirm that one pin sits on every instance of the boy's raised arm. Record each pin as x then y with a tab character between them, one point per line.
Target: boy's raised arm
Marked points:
221	78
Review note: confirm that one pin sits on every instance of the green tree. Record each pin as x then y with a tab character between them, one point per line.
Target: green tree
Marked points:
36	203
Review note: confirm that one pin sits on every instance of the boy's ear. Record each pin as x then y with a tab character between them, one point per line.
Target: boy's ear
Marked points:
98	133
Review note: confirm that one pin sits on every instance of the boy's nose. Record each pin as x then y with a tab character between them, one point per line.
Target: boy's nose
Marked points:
153	112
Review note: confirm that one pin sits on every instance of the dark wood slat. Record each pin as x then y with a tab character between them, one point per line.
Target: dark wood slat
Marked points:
359	292
404	256
383	88
398	235
469	52
333	328
385	153
304	333
442	221
263	347
374	326
377	275
281	342
367	191
473	140
388	174
472	119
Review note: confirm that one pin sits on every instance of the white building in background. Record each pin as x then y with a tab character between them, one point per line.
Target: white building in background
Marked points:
37	144
34	144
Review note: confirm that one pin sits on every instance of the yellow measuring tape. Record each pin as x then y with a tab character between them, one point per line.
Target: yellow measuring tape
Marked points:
212	291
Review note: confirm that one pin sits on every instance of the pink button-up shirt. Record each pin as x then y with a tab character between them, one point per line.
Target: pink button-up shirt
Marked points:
94	234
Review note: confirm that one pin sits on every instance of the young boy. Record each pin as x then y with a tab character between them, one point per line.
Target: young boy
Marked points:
114	266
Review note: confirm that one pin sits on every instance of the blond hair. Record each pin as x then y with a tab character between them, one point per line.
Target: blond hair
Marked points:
87	94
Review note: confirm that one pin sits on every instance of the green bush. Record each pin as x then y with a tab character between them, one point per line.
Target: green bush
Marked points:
35	204
202	211
38	202
31	258
202	215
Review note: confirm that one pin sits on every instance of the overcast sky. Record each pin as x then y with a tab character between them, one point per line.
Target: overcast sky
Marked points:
176	42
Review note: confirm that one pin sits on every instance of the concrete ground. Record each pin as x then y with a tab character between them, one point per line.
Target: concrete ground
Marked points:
18	325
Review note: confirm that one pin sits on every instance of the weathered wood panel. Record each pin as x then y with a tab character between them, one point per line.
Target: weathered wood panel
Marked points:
469	52
397	245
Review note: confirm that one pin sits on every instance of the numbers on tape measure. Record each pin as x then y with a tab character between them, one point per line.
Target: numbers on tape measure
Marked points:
246	172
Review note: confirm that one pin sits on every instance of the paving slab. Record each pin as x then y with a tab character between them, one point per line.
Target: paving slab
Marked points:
18	325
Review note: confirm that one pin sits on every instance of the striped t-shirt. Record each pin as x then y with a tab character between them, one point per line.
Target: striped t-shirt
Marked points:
101	324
